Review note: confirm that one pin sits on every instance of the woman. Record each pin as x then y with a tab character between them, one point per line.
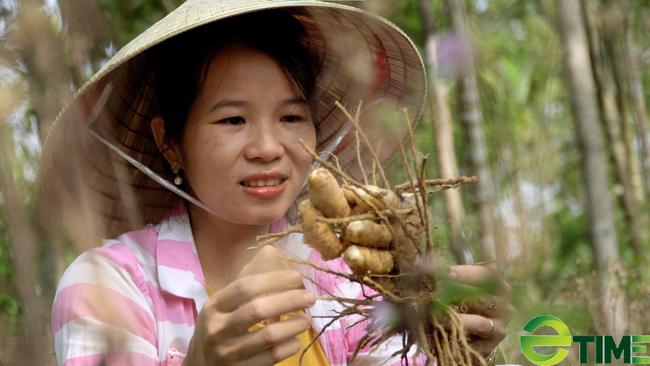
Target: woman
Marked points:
223	104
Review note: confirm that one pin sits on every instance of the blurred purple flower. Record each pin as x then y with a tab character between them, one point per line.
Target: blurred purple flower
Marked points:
455	55
383	314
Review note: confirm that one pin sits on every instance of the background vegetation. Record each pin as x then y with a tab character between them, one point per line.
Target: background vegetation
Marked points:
546	105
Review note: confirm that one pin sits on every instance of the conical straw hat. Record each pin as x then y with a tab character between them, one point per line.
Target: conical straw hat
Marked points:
364	57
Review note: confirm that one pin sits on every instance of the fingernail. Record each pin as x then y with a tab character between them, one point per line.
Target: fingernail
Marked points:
307	318
452	275
294	278
310	299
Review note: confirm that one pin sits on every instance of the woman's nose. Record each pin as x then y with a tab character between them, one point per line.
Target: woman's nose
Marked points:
265	144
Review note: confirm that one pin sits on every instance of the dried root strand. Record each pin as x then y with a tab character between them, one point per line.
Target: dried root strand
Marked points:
457	323
423	195
386	288
366	141
268	239
441	184
349	277
364	216
368	194
311	343
424	342
334	169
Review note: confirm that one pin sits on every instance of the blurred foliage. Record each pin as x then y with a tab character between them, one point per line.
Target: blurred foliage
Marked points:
539	204
9	302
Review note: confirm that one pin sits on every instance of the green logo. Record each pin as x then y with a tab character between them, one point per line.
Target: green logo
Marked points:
529	341
605	347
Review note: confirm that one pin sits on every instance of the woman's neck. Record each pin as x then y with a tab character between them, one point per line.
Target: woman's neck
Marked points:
223	247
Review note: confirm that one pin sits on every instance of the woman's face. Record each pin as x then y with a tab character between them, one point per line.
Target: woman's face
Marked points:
240	152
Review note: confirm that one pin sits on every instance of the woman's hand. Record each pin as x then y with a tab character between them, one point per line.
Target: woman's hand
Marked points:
489	305
221	336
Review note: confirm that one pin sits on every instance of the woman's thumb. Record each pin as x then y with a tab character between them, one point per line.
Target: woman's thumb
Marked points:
266	260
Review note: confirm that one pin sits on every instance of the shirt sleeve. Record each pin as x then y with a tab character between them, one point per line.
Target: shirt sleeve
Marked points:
102	314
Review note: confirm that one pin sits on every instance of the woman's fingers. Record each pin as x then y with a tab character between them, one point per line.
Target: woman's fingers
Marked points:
246	288
264	290
482	303
486	294
269	336
232	311
480	276
481	327
275	354
271	307
478	326
484	333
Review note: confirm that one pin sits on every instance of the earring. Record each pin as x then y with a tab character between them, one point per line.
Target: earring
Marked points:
176	168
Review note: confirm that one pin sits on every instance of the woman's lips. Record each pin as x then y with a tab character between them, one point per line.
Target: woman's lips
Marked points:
266	191
264	188
262	183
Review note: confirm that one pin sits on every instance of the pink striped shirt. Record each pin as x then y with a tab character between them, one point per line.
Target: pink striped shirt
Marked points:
135	300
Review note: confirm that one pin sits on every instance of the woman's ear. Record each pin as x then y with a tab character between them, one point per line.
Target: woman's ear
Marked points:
169	149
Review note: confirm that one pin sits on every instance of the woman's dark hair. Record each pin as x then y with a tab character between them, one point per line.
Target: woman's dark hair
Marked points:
183	61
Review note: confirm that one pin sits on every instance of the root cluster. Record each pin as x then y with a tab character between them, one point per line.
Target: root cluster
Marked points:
384	236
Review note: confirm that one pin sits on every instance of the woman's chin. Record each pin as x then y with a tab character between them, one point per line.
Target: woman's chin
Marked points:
258	219
250	218
267	220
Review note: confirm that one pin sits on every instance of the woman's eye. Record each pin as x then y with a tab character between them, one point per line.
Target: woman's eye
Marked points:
291	119
233	121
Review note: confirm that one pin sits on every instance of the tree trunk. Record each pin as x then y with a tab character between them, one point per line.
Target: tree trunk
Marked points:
584	103
23	241
634	169
444	136
471	117
637	101
611	121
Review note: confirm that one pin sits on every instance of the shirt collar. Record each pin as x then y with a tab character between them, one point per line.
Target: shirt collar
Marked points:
179	269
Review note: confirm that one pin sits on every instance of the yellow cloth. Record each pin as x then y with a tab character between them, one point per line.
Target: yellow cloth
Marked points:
314	355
